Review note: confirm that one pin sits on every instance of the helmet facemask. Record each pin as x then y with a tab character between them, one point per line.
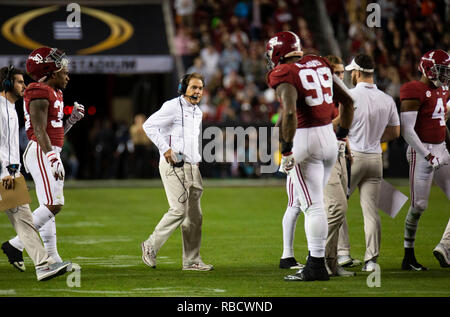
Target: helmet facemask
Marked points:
441	75
59	58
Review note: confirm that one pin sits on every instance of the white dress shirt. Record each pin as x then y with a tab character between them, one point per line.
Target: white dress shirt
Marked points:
9	136
177	125
374	110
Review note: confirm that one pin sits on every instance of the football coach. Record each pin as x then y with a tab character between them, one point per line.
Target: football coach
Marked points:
176	129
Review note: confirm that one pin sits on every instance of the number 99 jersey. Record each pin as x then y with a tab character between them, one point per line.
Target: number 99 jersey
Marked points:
430	124
312	77
55	128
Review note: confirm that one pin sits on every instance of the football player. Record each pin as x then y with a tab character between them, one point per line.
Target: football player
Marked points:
305	87
43	110
422	113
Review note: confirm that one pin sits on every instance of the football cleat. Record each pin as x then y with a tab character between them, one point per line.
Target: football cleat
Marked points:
290	263
314	270
411	264
442	254
15	257
53	270
308	274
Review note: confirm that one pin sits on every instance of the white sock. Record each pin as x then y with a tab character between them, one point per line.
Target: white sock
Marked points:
289	223
316	227
48	235
40	216
411	222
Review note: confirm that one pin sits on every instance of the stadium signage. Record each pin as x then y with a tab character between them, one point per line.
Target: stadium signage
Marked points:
104	39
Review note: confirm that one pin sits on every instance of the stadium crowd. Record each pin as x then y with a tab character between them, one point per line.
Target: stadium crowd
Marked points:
225	41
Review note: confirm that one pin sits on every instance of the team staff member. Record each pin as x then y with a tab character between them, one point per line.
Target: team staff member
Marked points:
13	87
422	110
335	193
175	129
43	110
376	120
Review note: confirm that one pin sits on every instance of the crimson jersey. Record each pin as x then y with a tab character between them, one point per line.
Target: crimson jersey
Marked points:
312	77
55	127
430	124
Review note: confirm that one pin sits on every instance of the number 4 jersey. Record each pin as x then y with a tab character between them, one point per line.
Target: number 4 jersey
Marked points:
55	128
312	77
430	124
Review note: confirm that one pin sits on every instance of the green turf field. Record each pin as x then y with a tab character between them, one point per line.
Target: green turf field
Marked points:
101	230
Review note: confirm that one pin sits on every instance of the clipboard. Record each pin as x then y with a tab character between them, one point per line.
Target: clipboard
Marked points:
10	198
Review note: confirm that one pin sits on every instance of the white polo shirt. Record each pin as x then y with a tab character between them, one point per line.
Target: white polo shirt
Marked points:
374	111
9	135
176	125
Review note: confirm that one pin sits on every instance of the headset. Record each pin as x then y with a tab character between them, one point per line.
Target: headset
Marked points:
7	83
184	82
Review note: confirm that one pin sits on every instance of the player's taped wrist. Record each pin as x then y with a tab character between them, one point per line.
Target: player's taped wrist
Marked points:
286	147
341	133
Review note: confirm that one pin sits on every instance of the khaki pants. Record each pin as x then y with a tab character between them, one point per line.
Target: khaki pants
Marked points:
446	236
343	243
367	172
22	221
336	207
184	187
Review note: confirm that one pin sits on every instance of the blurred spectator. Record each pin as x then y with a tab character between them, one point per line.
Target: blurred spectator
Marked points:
210	58
393	89
230	59
185	12
282	15
238	37
206	107
224	111
122	151
144	154
104	146
256	24
186	46
254	66
70	160
197	67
